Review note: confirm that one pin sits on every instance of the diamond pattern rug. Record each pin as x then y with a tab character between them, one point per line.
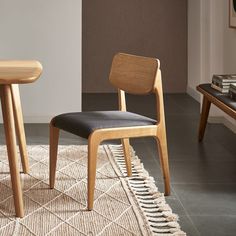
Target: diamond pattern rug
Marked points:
122	206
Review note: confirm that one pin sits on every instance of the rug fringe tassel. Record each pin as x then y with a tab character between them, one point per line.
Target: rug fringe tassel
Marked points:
158	213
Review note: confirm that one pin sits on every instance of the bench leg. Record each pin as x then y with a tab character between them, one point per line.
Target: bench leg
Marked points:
204	115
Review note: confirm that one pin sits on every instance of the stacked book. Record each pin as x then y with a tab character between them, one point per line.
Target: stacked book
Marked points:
222	82
232	91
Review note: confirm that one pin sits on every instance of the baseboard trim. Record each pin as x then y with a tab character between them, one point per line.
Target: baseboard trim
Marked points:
34	119
194	94
222	120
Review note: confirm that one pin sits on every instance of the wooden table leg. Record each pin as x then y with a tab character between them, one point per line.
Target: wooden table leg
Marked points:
20	131
8	118
203	120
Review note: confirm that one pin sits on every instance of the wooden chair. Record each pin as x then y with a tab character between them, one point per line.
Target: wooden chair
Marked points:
131	74
13	73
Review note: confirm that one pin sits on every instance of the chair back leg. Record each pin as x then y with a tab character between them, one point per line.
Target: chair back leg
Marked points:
126	148
163	155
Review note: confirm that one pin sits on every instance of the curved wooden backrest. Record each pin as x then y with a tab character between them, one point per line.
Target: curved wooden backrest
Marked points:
134	74
19	72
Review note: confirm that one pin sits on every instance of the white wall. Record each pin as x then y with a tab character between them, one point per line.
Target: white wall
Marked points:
211	48
194	47
229	52
229	34
199	45
49	31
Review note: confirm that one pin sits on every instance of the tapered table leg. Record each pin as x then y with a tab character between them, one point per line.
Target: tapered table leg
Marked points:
20	131
9	126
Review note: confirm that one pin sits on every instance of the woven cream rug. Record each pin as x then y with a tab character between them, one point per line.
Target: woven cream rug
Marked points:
123	206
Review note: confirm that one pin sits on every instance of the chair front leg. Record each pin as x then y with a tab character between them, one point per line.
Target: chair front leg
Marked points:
93	144
163	155
126	148
54	136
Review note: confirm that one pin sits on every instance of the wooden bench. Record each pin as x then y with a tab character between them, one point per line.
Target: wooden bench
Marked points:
222	101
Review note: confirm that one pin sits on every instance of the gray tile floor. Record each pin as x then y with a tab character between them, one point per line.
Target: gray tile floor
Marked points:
203	176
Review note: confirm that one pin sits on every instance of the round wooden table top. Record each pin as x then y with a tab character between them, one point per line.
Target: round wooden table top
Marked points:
19	72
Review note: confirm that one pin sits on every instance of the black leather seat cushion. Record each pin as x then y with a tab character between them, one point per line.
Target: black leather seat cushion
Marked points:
84	123
220	96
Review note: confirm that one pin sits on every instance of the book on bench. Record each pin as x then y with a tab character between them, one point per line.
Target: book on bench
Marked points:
222	90
224	79
222	82
232	91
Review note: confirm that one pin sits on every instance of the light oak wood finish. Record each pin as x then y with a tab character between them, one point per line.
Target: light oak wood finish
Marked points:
207	100
19	72
161	131
126	148
122	101
136	75
125	141
93	143
13	73
19	124
9	126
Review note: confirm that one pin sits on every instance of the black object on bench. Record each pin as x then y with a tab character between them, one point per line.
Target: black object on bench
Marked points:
222	101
